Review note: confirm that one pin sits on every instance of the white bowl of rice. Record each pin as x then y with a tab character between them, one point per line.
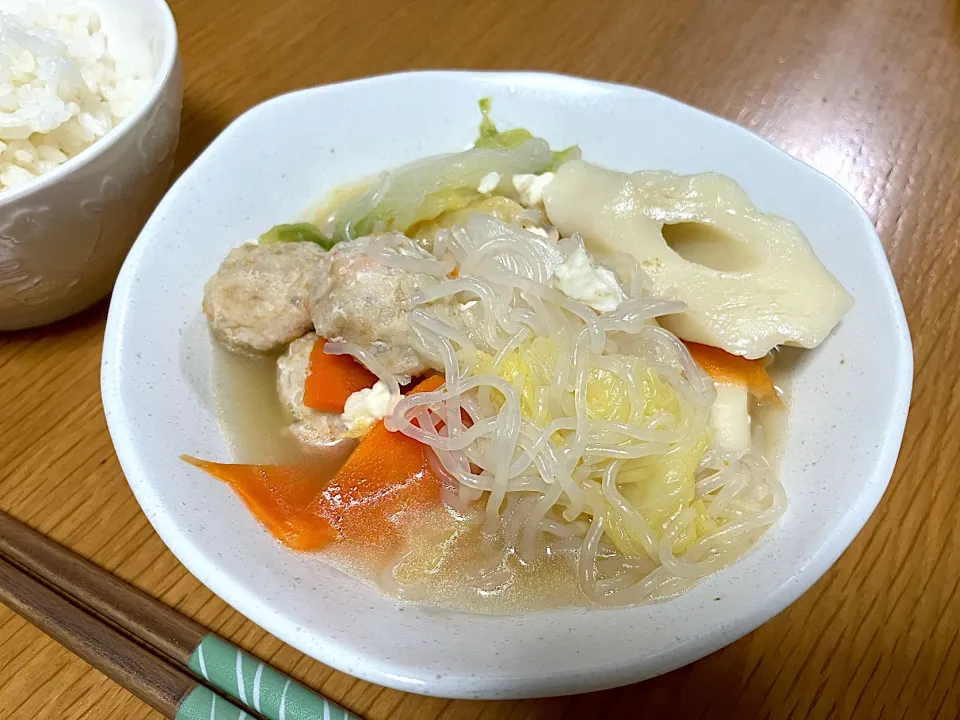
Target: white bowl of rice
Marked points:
90	99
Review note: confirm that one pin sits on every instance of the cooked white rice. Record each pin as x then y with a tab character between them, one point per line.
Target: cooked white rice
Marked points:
60	88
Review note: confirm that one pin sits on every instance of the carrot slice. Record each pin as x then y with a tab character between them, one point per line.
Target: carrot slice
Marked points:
428	384
734	370
331	379
275	494
386	476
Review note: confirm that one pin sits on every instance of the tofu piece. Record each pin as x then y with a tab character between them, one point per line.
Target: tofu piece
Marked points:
365	408
530	187
730	418
488	183
577	278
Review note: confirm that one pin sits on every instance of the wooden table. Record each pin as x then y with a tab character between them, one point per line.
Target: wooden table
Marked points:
868	91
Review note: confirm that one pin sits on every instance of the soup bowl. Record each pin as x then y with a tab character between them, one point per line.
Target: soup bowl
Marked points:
845	420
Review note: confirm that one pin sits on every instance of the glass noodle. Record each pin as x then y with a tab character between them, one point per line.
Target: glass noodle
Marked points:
523	433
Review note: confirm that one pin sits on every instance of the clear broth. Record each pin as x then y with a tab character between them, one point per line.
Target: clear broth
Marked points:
440	565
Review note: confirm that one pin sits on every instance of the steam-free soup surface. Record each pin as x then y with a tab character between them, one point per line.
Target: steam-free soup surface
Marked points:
440	565
254	423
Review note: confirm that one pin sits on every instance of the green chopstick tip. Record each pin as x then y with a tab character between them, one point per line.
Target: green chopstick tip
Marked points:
257	685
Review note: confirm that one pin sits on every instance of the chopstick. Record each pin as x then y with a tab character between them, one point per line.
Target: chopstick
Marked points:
252	684
173	693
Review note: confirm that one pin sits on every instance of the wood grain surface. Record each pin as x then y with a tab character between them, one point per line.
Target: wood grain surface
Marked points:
136	613
153	681
868	91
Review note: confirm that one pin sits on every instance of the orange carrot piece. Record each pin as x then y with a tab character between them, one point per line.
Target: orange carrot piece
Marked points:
331	379
275	494
387	475
735	370
428	384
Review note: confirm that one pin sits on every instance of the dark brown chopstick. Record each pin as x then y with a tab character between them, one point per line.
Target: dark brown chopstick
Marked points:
251	683
158	625
161	686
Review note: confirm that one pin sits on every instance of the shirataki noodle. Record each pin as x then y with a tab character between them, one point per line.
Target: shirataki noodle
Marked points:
548	469
589	411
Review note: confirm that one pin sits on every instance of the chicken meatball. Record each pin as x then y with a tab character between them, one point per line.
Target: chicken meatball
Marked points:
365	302
257	300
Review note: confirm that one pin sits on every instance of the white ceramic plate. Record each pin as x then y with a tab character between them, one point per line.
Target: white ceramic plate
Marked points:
845	423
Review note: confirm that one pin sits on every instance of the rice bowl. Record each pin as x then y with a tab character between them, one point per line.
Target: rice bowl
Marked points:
64	233
60	88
